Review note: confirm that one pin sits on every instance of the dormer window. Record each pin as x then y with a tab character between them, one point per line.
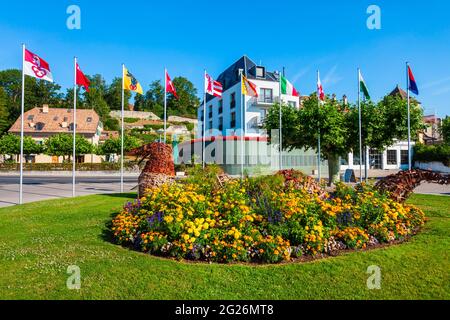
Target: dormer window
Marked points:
89	120
39	126
30	117
55	118
260	72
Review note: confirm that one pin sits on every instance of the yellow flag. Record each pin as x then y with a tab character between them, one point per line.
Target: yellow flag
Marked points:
248	88
130	82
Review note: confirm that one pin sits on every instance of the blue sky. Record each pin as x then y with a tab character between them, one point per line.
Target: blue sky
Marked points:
189	36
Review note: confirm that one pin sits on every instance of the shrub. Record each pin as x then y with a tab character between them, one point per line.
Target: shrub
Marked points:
258	220
439	153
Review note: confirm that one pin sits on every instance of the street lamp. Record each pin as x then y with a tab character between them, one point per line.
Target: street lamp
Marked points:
160	132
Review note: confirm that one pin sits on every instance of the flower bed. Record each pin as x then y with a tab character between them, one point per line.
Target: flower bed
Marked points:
265	220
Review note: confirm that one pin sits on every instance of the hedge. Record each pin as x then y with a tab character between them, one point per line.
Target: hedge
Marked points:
106	166
434	153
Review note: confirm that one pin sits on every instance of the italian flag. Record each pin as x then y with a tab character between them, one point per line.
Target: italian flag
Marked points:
287	88
362	85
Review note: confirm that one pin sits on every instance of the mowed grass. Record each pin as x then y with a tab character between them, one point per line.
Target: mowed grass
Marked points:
39	241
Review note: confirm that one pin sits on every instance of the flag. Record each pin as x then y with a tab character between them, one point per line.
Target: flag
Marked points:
248	88
130	82
82	80
287	88
213	87
320	92
36	67
412	82
363	87
170	88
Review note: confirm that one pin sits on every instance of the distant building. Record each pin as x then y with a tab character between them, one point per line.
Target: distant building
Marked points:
44	122
135	115
431	134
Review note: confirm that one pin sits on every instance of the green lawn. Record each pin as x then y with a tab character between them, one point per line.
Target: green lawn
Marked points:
39	241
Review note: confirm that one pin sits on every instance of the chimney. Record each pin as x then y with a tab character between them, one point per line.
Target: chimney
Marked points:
45	108
345	99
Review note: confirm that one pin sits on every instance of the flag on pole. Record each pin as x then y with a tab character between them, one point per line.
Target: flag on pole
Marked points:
130	82
249	88
82	80
320	92
213	87
170	88
287	88
362	85
35	66
412	82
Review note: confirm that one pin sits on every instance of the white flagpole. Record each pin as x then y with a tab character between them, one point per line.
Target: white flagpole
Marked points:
22	126
360	128
318	140
409	118
242	129
165	105
123	127
74	161
204	126
281	130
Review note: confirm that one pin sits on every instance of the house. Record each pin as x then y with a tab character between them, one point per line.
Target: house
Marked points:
40	123
431	134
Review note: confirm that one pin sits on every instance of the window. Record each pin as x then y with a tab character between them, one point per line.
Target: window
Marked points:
66	119
292	104
233	100
266	95
233	120
210	124
404	157
220	124
210	111
89	120
39	126
220	106
392	157
260	72
30	118
55	118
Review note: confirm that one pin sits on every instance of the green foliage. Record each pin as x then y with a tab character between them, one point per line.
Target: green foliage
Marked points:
111	124
438	153
61	145
445	129
130	120
10	145
5	121
113	145
113	95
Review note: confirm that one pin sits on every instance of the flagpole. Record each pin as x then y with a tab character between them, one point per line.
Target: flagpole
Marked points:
74	128
123	127
281	130
360	128
318	140
409	117
22	126
165	104
242	129
204	125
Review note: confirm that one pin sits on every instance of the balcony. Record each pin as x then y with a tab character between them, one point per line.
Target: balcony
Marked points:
264	101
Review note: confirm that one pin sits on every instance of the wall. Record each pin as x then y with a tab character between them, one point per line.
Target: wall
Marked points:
433	166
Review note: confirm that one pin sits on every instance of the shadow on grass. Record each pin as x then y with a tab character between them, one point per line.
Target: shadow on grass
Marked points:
121	195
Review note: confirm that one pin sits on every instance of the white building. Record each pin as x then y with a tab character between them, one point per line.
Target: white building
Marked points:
224	115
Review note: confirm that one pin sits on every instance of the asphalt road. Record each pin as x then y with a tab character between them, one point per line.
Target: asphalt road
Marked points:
37	188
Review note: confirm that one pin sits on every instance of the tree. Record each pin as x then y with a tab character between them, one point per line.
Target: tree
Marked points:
113	95
61	145
5	122
10	145
187	102
153	100
445	130
113	145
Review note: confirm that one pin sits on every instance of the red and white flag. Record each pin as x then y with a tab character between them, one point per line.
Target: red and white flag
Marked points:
35	66
213	87
82	80
170	88
320	92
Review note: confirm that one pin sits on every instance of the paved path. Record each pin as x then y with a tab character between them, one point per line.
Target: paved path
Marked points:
37	188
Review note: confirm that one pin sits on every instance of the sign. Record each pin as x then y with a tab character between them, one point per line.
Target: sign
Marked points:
349	175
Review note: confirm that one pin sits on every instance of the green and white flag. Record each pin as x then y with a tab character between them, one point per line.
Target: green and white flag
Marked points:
362	85
287	88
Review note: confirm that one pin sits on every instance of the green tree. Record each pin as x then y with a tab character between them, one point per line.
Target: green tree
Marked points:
113	145
10	145
153	100
113	95
187	102
5	121
445	129
61	145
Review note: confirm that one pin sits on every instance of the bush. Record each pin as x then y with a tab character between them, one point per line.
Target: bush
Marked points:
105	166
259	220
439	153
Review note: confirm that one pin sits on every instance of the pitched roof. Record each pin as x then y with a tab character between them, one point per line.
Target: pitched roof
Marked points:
230	77
57	121
399	91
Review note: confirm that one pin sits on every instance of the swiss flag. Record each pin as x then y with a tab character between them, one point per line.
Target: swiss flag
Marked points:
170	88
82	80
